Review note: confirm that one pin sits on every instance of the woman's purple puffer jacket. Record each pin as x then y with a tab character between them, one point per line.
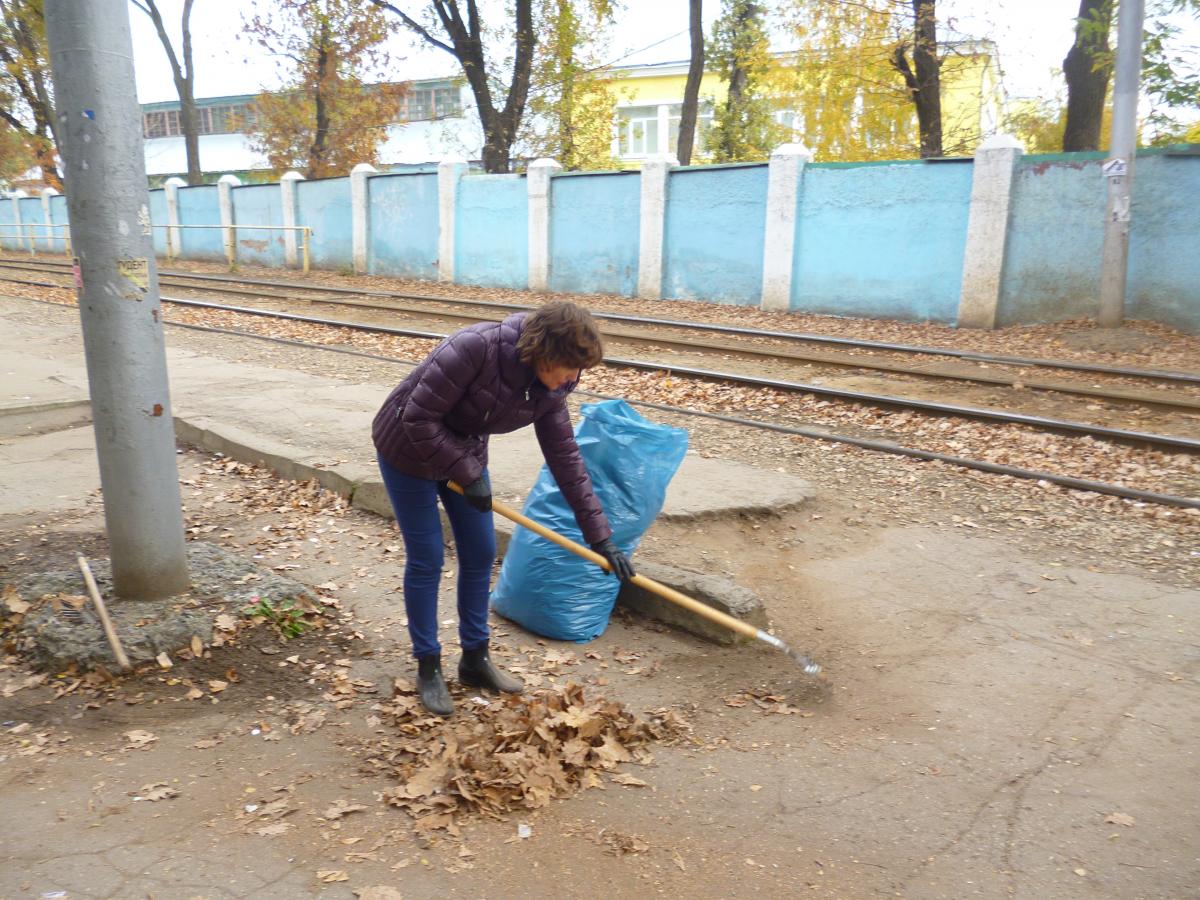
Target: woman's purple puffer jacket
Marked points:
436	423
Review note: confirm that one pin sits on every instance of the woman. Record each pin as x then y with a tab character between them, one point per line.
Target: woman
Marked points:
487	379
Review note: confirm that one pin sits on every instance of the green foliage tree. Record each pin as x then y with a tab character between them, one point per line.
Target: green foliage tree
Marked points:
26	92
1170	71
571	104
328	117
1087	69
744	126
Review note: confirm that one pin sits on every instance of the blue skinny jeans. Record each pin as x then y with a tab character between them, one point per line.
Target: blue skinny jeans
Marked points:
415	502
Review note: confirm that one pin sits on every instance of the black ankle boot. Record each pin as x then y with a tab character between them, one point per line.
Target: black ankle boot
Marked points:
431	686
477	670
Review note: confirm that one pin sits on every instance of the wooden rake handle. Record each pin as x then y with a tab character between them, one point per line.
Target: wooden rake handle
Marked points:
688	603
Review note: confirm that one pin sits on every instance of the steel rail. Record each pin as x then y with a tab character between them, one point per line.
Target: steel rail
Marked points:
1061	426
1067	481
1170	442
1120	397
966	355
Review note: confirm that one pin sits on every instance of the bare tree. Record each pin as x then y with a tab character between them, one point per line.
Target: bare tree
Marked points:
463	39
923	77
185	81
1088	68
691	91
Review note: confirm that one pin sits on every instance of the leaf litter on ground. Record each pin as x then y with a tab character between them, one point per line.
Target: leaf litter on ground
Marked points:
519	752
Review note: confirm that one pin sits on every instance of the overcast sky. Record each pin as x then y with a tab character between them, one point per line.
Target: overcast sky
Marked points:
1032	37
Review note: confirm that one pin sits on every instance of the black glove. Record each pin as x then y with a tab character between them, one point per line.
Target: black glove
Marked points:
621	566
479	494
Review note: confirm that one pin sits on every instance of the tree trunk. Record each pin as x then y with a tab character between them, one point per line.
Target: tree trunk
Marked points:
185	79
1087	68
466	45
691	91
928	96
187	103
316	153
191	135
925	83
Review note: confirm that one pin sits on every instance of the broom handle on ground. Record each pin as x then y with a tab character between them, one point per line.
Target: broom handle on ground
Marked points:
109	631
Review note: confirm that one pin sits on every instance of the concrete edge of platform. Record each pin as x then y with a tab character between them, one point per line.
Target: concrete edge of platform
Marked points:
364	490
45	417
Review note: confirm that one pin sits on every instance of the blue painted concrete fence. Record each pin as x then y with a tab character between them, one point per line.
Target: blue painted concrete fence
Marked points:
872	239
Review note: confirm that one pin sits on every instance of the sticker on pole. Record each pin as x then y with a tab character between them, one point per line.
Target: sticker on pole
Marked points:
137	271
1114	168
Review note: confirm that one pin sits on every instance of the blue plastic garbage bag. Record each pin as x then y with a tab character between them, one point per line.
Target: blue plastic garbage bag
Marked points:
552	591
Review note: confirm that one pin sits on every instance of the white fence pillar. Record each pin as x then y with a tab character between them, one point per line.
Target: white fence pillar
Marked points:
171	193
225	186
538	183
653	220
287	204
987	231
18	231
784	178
360	214
450	173
47	193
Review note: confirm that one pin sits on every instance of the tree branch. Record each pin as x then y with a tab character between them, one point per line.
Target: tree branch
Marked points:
14	122
414	25
899	62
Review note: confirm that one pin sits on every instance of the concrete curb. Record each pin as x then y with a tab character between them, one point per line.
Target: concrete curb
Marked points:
712	590
365	491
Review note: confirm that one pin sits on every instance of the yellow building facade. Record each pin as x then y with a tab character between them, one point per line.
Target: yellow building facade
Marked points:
650	102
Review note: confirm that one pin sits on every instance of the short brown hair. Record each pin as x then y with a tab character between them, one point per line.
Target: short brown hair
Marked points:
560	333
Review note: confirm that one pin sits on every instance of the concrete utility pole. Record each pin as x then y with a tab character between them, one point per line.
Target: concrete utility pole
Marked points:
100	130
1118	169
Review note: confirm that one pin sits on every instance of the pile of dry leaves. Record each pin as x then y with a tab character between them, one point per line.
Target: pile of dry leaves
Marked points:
515	753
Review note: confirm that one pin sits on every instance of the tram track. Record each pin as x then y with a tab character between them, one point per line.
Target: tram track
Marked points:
1174	442
1071	482
879	396
1157	442
330	294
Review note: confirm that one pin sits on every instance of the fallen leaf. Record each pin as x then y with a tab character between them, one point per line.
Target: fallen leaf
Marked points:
139	739
225	622
163	660
1120	819
15	604
194	693
197	646
329	876
274	829
217	686
625	778
379	892
158	790
342	808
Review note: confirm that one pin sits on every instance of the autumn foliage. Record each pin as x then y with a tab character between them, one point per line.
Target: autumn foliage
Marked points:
328	117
